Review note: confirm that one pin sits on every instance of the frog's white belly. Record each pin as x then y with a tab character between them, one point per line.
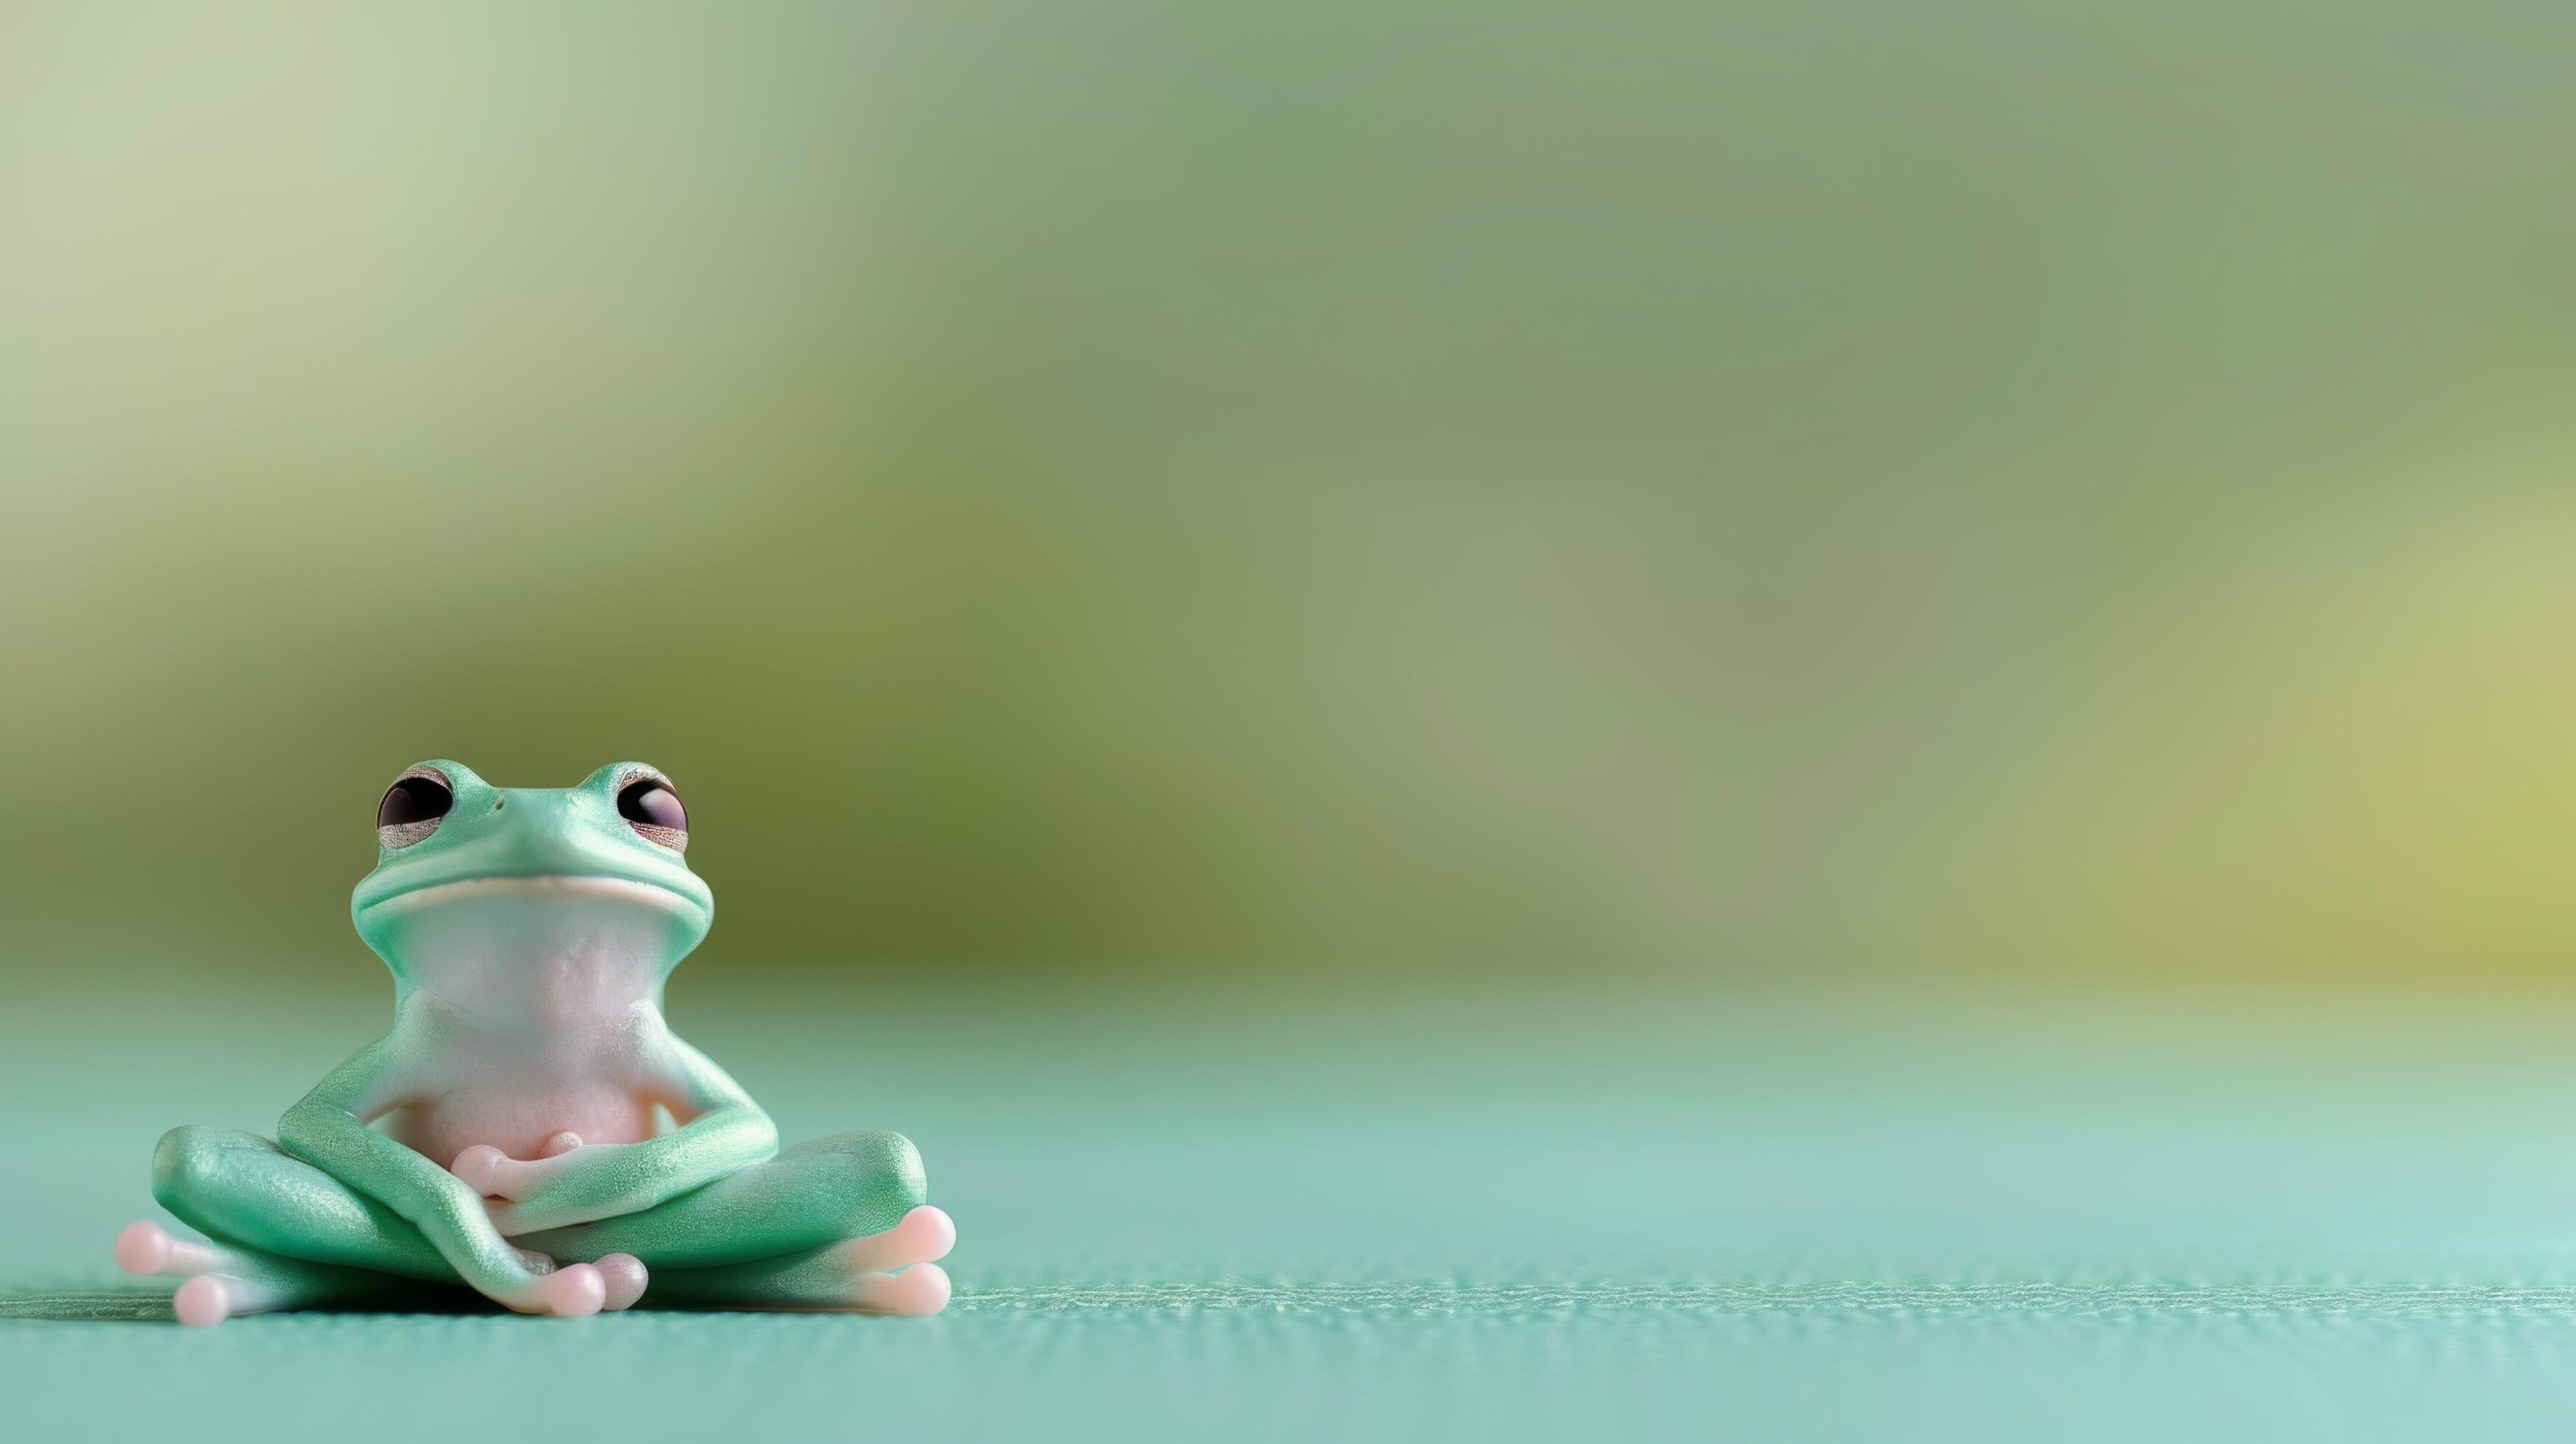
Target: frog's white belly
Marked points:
519	1120
515	1088
531	1014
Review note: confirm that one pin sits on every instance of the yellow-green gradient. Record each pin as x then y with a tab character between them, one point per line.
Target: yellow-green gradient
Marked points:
1818	493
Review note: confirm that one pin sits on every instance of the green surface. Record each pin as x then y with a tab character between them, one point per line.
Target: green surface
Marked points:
1220	1216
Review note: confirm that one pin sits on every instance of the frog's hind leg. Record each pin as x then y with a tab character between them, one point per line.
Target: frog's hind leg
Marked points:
241	1188
221	1281
838	1223
850	1186
263	1203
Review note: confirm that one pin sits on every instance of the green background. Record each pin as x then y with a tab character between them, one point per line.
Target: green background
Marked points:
1370	647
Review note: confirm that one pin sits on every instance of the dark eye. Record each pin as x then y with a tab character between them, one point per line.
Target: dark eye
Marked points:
411	809
650	804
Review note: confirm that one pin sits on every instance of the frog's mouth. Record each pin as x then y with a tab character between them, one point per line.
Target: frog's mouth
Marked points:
537	887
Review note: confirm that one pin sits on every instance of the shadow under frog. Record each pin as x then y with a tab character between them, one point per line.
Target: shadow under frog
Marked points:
531	1127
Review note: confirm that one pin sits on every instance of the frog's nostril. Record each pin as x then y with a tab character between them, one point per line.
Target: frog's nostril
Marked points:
499	802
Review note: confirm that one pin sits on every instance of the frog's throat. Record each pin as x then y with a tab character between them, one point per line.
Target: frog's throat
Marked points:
544	951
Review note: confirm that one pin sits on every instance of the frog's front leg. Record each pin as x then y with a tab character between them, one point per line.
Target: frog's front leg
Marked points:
722	1131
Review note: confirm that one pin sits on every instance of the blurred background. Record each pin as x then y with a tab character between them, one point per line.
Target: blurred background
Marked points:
1652	647
1980	493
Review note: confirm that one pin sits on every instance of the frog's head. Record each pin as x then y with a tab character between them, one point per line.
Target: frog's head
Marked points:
519	899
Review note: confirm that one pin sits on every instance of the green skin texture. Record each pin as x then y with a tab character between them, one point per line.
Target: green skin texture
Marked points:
337	1210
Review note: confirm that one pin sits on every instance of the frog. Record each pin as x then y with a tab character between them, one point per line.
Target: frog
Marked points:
531	1128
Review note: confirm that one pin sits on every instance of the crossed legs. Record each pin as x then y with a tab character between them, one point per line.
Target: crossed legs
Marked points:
825	1225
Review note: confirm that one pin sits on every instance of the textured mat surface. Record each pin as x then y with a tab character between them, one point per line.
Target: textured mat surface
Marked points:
1651	1220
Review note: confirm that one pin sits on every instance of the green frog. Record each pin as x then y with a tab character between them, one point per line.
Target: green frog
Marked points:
531	1128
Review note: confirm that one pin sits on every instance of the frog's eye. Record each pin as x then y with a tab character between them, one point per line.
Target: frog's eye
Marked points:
650	806
411	809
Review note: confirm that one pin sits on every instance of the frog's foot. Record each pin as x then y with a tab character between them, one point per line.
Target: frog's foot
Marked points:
624	1277
884	1273
917	1292
925	1235
273	1284
221	1282
145	1248
829	1279
894	1272
209	1299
